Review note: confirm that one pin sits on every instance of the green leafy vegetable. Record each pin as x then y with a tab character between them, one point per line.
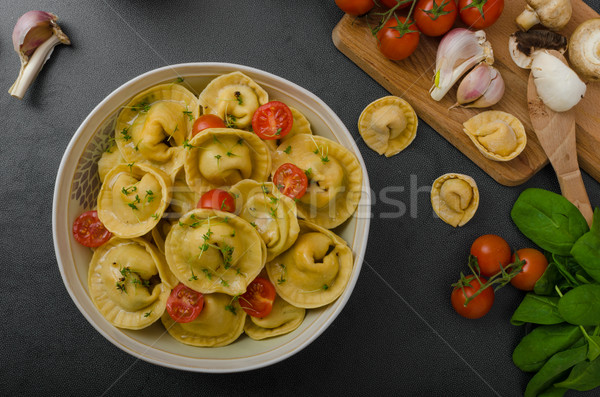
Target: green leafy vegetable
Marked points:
537	310
584	376
545	285
542	343
581	305
549	220
586	250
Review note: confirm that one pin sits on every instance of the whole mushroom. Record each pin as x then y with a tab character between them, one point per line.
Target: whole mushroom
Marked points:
584	50
553	14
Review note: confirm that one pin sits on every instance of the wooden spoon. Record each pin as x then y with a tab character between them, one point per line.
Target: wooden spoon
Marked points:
556	133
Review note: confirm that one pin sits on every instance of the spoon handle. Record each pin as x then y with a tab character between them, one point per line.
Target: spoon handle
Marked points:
573	189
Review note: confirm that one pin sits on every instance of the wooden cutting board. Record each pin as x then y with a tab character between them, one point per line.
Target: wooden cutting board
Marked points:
411	79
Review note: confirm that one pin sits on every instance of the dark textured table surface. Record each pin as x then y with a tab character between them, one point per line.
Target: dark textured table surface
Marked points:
398	333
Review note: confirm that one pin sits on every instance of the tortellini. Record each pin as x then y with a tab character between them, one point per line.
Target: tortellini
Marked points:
315	270
153	126
499	136
284	318
272	213
233	97
110	159
455	198
220	322
129	282
334	178
388	125
133	199
300	125
219	157
214	251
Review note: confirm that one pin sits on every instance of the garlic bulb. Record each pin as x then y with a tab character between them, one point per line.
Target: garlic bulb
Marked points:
35	35
557	85
459	51
482	87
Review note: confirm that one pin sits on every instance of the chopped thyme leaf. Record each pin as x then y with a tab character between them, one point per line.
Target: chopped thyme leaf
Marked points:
121	285
325	287
325	159
308	172
273	212
189	114
316	151
132	206
186	144
231	309
230	120
215	139
224	283
127	191
125	134
194	277
232	234
149	196
155	216
125	271
147	314
240	141
238	97
264	189
178	80
288	149
278	131
207	274
273	200
226	219
227	252
231	154
130	165
253	224
281	278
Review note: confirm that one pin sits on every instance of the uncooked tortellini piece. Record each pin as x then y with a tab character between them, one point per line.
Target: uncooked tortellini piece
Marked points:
315	270
334	178
214	251
498	135
273	214
154	124
133	198
233	97
455	198
129	282
283	319
220	323
300	125
388	125
219	157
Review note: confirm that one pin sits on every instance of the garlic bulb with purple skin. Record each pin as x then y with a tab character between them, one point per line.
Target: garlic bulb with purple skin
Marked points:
482	87
35	35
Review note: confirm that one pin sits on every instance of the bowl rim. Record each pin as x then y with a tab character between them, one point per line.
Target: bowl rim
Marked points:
59	214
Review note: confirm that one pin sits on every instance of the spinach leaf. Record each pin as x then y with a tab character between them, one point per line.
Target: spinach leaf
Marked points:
545	285
586	249
593	347
553	392
554	369
565	264
584	376
581	305
537	310
549	220
542	343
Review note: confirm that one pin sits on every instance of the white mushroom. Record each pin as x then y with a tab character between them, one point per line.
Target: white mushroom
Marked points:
584	50
553	14
523	45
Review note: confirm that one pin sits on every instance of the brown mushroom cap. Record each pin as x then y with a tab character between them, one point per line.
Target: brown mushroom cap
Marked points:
584	50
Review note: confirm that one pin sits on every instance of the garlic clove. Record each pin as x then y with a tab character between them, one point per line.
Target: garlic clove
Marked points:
557	84
35	35
459	51
482	87
493	94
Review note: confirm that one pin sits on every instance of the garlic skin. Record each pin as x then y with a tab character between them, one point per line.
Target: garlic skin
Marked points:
558	86
459	51
35	35
482	87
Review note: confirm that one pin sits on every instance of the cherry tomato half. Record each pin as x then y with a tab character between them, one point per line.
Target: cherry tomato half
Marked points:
491	251
479	306
207	121
290	180
480	14
184	304
217	199
273	120
355	7
392	3
396	41
435	17
89	231
534	267
258	299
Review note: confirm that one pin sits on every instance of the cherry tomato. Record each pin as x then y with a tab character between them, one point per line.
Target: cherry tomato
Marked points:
435	17
273	120
207	121
258	299
184	304
392	3
479	306
89	231
491	251
290	180
355	7
480	14
217	199
397	42
534	267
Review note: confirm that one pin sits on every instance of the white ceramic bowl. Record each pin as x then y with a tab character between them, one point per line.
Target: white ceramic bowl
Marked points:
76	190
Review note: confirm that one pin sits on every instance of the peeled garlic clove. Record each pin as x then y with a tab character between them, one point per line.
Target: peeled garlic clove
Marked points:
35	35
